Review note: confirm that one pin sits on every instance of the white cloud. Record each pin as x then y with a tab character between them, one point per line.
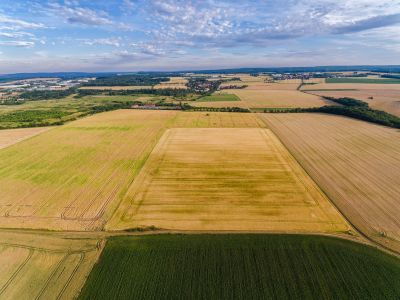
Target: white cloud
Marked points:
19	24
116	42
15	34
23	44
73	13
228	23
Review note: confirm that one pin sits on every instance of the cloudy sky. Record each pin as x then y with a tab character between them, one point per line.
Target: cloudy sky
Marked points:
132	35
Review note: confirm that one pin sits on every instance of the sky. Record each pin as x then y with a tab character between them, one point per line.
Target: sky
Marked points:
170	35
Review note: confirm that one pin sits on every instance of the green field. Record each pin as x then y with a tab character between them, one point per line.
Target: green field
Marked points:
362	80
219	97
241	267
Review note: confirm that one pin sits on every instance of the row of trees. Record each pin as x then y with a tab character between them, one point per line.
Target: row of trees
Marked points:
126	80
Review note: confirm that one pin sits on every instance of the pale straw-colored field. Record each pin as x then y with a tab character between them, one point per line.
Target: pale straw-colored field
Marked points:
10	137
41	266
217	120
357	164
350	86
173	83
225	179
278	98
383	99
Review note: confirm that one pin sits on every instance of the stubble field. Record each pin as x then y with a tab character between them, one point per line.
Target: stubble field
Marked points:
350	86
357	164
217	120
173	83
10	137
225	179
383	99
266	98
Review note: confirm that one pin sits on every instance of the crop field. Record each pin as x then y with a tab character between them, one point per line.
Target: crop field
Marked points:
362	80
275	86
357	164
173	83
219	104
9	137
241	267
225	179
69	178
34	266
383	99
349	86
217	120
278	98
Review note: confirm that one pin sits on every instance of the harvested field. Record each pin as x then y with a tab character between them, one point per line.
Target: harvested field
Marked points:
363	80
241	267
72	177
10	137
173	83
314	80
357	164
225	179
217	120
349	86
383	99
34	266
219	104
278	98
279	86
116	88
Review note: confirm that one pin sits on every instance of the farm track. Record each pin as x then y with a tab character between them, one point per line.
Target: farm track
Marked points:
60	260
358	236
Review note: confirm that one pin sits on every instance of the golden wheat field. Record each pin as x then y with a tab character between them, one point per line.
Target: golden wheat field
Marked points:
9	137
280	86
278	98
216	120
173	83
357	164
71	177
383	99
40	266
218	104
350	86
225	179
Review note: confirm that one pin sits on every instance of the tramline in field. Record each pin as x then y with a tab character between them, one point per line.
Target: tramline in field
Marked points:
225	179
